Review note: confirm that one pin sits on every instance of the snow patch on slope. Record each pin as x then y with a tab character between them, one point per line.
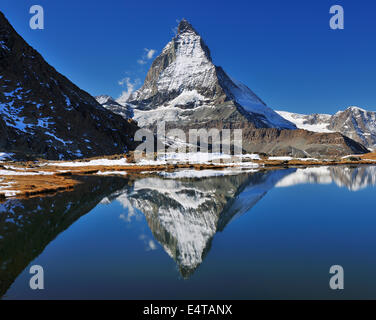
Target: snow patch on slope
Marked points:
251	103
302	121
5	156
187	97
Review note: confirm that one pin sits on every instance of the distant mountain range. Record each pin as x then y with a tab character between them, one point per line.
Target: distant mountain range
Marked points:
111	104
354	122
186	90
43	114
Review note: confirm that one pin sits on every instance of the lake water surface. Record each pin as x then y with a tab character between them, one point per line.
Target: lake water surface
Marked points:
249	235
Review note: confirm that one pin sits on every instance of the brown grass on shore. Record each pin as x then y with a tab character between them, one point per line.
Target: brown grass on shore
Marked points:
28	186
61	180
369	156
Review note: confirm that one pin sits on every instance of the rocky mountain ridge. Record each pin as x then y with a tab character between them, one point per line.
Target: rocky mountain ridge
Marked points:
354	122
111	104
44	115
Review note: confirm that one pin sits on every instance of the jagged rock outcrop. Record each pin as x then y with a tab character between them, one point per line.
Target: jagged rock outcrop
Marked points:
357	124
43	114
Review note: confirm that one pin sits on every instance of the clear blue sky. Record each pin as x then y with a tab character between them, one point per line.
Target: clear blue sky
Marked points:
283	50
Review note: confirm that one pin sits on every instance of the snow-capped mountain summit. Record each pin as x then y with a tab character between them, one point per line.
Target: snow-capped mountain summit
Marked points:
184	85
357	124
185	89
111	104
105	99
354	122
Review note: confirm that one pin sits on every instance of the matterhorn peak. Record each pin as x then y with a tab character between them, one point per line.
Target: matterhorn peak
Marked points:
185	26
184	82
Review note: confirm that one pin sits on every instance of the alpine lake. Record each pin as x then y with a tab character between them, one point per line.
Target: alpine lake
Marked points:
248	235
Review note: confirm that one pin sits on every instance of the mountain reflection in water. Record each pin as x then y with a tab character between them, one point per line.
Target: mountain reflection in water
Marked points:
182	213
28	226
